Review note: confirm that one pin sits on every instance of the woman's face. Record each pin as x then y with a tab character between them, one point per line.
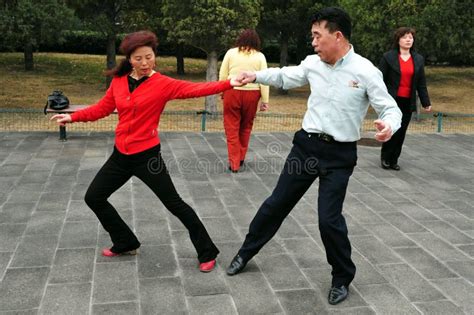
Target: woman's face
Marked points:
143	60
406	41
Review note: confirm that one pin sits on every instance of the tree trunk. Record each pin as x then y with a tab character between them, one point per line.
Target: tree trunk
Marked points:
28	54
211	75
111	56
283	56
301	48
180	59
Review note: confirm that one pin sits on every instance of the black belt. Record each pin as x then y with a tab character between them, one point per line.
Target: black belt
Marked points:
321	136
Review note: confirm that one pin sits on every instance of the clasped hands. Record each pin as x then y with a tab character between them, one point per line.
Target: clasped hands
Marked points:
243	78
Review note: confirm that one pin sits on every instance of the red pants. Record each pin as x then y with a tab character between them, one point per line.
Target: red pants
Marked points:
240	108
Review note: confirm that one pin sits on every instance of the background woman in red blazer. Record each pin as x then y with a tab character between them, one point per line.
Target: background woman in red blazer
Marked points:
404	74
139	94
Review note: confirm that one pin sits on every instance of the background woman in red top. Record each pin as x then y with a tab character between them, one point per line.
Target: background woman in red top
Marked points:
139	94
404	74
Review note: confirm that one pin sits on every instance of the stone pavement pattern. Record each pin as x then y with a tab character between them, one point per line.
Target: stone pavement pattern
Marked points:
412	231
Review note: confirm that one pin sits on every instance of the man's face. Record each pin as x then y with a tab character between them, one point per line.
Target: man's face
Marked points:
324	42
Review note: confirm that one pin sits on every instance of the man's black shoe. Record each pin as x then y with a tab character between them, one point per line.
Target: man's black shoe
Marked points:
236	265
337	294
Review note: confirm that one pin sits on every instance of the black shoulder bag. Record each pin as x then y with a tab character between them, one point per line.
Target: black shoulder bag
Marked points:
57	101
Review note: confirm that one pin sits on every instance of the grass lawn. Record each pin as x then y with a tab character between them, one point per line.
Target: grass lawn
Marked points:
80	78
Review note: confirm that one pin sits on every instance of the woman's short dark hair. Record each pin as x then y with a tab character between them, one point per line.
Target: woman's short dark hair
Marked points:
128	45
399	33
248	40
336	20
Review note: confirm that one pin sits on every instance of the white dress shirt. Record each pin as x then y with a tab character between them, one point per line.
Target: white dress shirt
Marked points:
340	94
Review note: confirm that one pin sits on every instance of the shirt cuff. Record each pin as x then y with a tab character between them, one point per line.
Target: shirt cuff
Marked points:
256	78
393	126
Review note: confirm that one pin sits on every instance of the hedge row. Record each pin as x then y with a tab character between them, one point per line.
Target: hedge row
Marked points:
83	42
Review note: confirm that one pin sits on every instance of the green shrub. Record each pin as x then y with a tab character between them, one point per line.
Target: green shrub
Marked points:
95	43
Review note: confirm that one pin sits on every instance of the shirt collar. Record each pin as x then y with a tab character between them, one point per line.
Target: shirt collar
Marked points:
346	57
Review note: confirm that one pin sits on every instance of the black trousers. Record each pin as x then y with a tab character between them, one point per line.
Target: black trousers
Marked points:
149	167
392	149
310	158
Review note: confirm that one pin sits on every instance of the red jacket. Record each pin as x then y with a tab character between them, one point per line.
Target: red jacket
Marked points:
139	112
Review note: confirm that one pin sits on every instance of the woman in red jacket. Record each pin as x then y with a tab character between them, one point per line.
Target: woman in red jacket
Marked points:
139	94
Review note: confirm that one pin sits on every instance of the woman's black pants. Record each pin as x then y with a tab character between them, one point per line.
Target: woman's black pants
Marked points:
392	149
149	167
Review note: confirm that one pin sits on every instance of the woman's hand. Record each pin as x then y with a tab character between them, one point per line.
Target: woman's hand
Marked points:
427	109
263	107
62	119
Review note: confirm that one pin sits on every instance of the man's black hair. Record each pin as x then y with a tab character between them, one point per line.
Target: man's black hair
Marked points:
336	18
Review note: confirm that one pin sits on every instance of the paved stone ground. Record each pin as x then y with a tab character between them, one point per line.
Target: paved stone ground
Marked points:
412	232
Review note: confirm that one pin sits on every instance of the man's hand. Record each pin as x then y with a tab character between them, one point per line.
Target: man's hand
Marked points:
384	131
62	119
427	109
246	77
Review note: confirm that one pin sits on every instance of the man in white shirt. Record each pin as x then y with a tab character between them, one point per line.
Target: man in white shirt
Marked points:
343	84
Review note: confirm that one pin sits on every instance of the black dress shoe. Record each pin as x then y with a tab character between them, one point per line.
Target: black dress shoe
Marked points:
395	166
337	294
236	265
385	165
